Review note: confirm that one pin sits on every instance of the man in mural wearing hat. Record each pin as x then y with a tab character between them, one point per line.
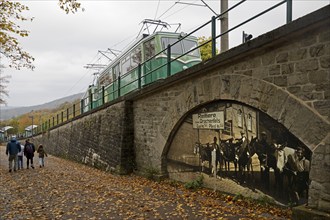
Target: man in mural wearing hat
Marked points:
13	147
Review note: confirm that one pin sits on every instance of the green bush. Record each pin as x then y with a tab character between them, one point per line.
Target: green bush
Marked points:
195	184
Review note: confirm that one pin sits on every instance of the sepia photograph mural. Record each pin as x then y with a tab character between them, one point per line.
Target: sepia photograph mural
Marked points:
229	140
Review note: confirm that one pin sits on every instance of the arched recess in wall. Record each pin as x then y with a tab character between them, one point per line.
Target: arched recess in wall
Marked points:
212	139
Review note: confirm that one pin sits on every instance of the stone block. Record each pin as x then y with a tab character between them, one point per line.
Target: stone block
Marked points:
281	81
318	77
282	57
307	65
267	59
295	89
297	54
298	79
322	107
325	62
287	68
320	175
306	213
274	70
324	205
317	50
308	88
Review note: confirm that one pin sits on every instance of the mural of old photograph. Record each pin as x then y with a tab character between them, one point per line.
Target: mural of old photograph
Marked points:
230	140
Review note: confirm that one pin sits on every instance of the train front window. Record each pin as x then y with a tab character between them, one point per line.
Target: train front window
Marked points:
175	49
189	45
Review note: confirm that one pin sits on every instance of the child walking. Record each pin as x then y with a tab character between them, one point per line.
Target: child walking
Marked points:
42	153
20	157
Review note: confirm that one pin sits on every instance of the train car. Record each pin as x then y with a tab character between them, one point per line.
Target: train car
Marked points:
144	62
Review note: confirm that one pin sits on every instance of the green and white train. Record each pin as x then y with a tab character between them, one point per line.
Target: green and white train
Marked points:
143	63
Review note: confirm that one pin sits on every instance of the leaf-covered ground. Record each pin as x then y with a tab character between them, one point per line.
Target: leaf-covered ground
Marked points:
68	190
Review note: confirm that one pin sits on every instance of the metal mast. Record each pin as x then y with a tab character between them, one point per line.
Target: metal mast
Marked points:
224	40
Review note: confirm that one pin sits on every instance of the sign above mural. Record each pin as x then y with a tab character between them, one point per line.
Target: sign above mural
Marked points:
209	120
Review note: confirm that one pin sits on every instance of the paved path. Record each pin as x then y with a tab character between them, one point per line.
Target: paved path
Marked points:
68	190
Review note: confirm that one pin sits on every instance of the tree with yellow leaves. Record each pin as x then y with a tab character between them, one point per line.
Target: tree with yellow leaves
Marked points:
206	49
10	48
10	14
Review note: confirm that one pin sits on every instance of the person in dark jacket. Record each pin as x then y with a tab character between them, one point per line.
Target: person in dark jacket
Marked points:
29	150
13	147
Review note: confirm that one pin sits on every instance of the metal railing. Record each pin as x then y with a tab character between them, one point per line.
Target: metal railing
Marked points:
77	108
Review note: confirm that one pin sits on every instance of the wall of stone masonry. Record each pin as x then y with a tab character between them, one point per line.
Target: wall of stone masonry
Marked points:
102	139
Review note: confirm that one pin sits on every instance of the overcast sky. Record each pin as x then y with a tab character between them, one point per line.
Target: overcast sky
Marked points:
63	44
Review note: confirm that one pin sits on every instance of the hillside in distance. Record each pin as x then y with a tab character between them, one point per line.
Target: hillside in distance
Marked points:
10	112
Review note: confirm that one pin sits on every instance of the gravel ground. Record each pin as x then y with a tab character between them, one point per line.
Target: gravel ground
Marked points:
68	190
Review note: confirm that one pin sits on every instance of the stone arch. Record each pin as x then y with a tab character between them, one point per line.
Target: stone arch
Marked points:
299	119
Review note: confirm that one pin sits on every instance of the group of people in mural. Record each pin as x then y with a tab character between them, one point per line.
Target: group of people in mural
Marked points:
16	152
287	164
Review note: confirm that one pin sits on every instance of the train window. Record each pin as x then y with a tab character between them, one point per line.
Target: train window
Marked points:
136	57
126	64
189	45
149	49
175	49
105	78
115	71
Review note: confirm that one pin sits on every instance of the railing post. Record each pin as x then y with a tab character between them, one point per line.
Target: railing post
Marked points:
118	89
48	124
168	60
74	110
91	100
139	76
103	97
82	106
213	37
57	119
54	121
62	117
288	11
67	114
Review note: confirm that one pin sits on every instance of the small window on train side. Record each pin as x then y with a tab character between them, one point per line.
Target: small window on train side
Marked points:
115	72
126	65
149	49
136	57
175	49
189	45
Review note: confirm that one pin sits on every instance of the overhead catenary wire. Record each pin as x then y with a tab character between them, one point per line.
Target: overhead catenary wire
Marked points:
157	9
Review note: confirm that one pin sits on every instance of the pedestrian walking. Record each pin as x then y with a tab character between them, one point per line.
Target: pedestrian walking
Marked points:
29	150
12	150
42	153
20	157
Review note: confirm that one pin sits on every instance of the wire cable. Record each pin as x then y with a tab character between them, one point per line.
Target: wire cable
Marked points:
157	9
